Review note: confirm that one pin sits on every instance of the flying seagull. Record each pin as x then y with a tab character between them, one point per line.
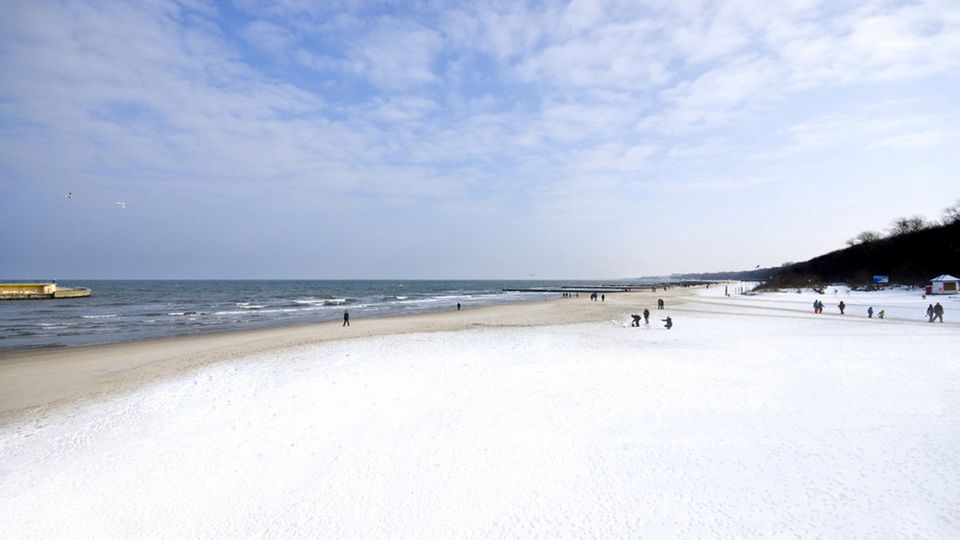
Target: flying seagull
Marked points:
69	194
121	204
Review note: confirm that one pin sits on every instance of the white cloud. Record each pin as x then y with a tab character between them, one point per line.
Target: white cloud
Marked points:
396	54
716	96
613	158
268	36
873	44
612	56
402	109
712	184
886	126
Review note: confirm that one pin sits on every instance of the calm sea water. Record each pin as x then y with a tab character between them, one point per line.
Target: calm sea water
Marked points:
132	310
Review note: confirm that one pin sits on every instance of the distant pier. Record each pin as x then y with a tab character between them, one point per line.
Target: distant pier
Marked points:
40	291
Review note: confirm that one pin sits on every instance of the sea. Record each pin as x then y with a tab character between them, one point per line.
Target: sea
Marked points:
121	311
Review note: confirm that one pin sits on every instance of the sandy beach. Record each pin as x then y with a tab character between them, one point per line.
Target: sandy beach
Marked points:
37	381
752	417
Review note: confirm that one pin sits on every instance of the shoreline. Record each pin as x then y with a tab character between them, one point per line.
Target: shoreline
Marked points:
36	382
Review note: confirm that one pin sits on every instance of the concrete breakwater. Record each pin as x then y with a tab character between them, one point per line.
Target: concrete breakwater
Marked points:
34	291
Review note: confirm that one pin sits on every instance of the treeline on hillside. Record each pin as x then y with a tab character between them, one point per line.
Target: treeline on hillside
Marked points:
760	274
913	251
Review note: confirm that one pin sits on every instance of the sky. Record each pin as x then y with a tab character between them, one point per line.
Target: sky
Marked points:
465	140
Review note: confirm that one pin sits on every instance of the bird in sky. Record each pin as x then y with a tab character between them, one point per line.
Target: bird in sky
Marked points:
69	194
121	204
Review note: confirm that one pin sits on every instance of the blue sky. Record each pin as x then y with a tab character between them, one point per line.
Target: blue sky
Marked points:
299	139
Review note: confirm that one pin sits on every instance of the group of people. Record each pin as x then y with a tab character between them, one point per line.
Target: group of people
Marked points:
636	318
646	319
594	296
935	312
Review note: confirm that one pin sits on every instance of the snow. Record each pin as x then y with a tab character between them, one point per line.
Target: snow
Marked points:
904	304
752	417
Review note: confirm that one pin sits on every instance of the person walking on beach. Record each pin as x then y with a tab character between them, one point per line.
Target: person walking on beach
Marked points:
603	298
646	316
842	306
929	312
458	306
669	322
870	312
346	319
937	312
659	303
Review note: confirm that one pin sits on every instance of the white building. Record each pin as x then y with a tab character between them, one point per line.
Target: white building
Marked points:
945	284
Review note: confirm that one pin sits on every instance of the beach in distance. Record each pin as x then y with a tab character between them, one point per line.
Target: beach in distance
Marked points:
752	416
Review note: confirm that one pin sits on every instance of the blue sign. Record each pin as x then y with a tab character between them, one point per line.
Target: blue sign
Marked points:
881	279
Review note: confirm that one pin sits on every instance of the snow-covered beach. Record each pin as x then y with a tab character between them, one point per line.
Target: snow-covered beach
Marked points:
752	417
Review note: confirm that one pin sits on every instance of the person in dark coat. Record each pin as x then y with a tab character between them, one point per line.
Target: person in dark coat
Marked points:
646	316
669	322
870	312
929	312
842	306
636	320
937	312
346	319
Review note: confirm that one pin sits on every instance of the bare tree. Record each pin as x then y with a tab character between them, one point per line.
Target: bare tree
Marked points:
864	238
903	225
951	214
868	236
